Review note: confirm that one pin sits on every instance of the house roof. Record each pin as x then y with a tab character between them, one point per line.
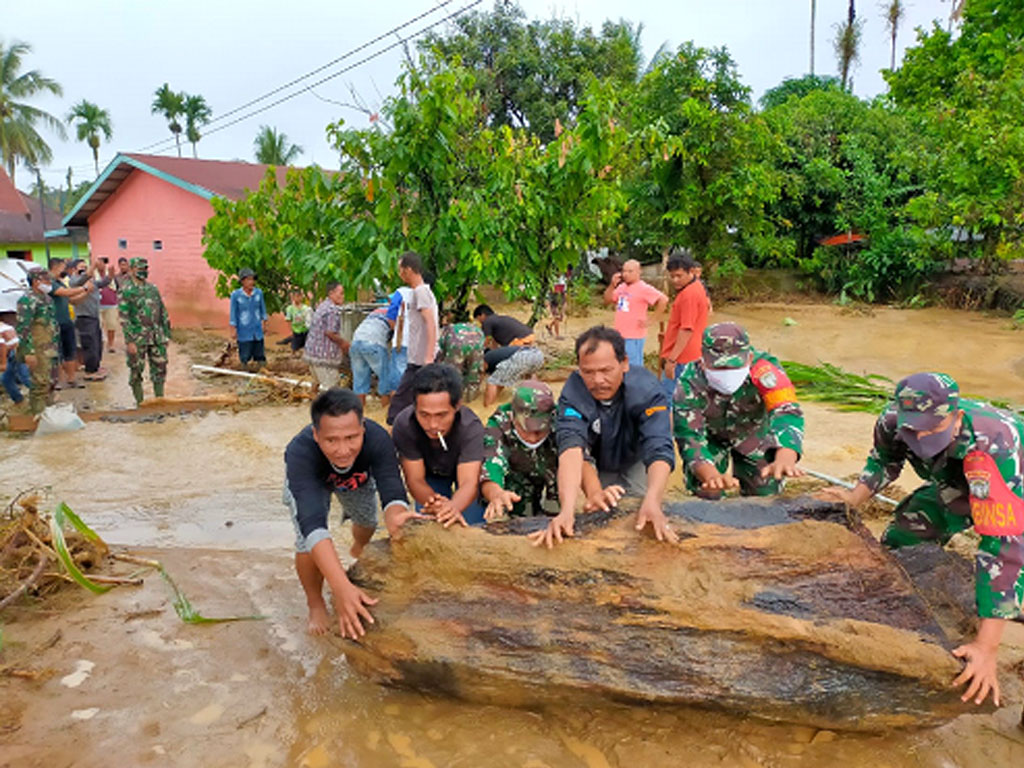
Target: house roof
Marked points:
21	220
205	178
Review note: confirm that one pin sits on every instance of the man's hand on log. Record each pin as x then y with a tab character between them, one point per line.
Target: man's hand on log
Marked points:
784	465
397	515
558	526
501	505
350	604
713	480
604	499
980	671
446	514
651	512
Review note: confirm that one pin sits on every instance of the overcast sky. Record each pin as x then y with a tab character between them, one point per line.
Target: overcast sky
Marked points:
116	53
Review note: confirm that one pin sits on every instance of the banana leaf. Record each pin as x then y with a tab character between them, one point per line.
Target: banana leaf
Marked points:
62	515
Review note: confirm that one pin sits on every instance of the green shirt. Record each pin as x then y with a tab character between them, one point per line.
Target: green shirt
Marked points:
299	316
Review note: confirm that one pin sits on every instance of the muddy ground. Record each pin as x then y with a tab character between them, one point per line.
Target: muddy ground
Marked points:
118	680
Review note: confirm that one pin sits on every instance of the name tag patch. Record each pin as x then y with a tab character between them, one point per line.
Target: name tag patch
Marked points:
995	509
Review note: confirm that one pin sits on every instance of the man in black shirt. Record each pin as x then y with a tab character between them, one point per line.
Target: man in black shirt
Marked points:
513	355
354	458
614	437
440	443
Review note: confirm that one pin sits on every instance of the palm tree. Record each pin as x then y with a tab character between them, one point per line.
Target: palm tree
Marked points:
19	140
273	148
894	13
171	105
92	121
197	113
847	45
814	12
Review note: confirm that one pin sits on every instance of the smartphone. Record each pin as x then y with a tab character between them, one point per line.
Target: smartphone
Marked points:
104	259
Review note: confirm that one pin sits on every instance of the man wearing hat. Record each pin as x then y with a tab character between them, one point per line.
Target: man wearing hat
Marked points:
38	337
520	468
248	318
737	403
971	456
146	329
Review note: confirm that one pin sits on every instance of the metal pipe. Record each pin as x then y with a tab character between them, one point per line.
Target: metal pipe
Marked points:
244	375
846	484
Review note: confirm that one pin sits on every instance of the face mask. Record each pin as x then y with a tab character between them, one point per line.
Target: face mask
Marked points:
726	380
531	446
142	274
930	446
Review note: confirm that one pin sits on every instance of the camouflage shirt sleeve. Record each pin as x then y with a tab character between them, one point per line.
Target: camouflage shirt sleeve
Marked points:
495	465
885	462
688	404
23	326
128	310
165	319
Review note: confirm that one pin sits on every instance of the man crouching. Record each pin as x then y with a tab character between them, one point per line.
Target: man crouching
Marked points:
354	458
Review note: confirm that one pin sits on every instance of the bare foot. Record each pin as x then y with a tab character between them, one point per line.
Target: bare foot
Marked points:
319	620
356	550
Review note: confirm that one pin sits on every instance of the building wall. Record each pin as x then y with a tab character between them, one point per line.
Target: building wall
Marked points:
145	209
38	250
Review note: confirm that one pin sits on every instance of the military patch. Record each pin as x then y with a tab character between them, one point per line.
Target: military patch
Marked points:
773	384
768	379
995	509
596	426
654	409
572	413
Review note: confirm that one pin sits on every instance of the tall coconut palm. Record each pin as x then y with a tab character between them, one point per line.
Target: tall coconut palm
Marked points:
894	14
91	122
814	13
171	105
847	45
197	113
273	148
19	139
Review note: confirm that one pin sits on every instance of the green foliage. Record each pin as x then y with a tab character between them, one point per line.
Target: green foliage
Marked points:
532	74
197	114
91	121
19	138
797	87
827	383
170	104
272	147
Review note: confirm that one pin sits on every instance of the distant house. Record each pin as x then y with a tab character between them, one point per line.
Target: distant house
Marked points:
157	207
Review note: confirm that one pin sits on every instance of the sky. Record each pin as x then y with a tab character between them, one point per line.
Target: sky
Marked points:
116	53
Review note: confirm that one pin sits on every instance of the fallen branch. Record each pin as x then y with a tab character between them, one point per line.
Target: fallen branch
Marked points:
252	376
27	584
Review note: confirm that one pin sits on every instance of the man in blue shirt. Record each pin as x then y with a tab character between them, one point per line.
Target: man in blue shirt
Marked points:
248	318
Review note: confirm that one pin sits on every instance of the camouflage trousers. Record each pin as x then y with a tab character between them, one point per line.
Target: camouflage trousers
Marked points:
932	513
534	498
157	355
469	361
40	390
746	467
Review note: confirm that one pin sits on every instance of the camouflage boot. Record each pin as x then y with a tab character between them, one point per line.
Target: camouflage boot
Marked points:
158	389
137	391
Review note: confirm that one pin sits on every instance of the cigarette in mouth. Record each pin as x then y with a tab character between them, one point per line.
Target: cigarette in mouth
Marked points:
440	437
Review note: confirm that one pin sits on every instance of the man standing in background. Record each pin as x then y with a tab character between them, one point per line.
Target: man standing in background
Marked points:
248	319
687	321
632	297
325	348
422	328
87	317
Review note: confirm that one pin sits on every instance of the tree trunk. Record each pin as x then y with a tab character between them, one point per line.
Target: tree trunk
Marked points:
780	608
814	9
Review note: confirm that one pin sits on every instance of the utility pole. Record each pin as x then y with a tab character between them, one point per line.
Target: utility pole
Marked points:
813	10
42	212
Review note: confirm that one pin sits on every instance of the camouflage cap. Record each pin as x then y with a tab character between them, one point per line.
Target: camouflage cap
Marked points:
533	406
726	345
923	400
138	261
36	273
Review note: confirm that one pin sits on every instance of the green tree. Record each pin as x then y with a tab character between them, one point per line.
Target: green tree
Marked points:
91	121
532	73
847	45
798	87
19	139
965	96
197	114
170	104
698	171
273	148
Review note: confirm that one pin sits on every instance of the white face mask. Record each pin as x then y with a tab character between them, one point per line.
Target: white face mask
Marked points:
726	380
531	446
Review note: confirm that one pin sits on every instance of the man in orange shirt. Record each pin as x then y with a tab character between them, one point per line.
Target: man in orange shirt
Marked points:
687	320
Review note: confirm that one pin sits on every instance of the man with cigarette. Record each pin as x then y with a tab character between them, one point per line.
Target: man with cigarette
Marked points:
440	445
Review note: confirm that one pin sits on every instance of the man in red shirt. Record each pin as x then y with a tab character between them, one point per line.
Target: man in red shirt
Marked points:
632	297
687	320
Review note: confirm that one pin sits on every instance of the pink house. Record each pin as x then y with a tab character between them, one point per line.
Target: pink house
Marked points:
157	207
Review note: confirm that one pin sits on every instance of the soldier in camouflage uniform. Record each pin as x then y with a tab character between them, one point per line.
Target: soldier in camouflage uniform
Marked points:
736	402
462	345
37	330
521	454
971	455
146	328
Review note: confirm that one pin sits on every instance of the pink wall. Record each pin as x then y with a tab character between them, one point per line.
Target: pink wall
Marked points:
145	208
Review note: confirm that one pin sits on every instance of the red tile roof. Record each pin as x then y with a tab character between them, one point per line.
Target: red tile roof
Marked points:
16	221
223	178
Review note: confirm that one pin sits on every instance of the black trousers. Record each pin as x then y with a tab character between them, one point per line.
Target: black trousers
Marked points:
403	395
91	337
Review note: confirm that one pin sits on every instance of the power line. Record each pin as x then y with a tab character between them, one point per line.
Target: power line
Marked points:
440	4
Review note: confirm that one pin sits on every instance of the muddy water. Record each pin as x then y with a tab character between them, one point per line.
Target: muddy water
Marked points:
213	481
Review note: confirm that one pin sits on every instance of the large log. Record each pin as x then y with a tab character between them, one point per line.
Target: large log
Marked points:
783	609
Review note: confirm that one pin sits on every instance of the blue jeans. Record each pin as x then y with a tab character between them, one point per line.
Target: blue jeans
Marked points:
635	352
399	360
474	513
368	358
16	373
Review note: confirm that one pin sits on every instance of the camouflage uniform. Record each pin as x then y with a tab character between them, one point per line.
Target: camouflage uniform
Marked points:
530	472
748	425
37	333
949	502
145	324
462	345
